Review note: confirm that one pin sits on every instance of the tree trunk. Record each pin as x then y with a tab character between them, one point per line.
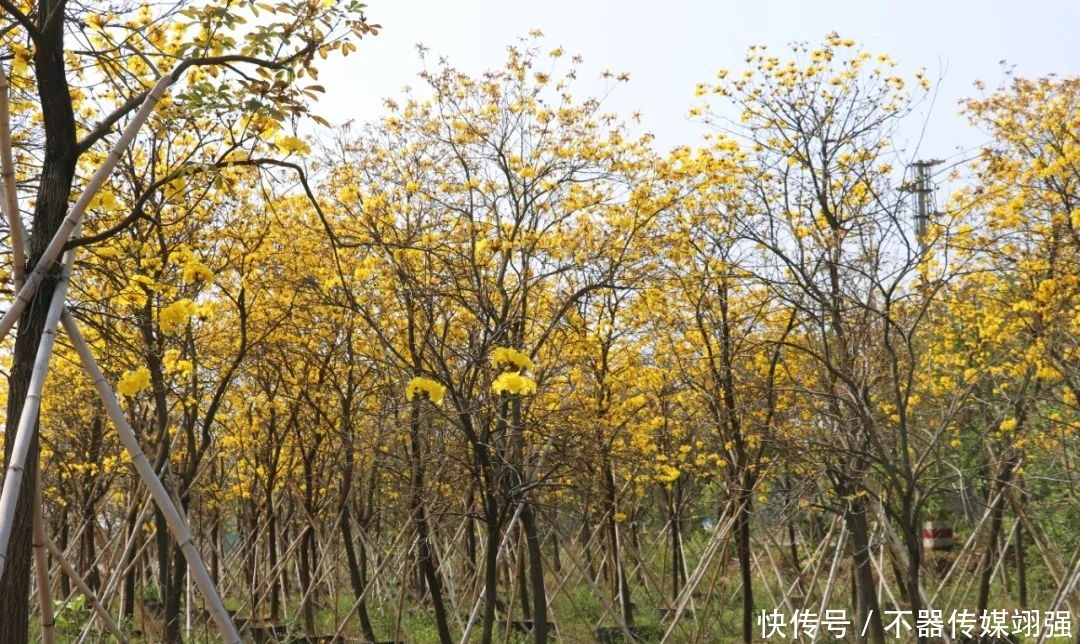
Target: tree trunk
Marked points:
522	577
427	566
536	575
357	570
57	170
986	564
491	568
868	609
174	596
742	537
618	577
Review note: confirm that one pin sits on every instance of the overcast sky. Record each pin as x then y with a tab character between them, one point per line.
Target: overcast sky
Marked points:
668	46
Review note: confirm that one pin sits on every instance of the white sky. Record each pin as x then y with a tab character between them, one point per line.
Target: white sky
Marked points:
669	46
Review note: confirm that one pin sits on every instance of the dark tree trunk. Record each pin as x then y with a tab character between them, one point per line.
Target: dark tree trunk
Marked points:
795	562
913	541
133	531
868	609
1021	568
522	580
675	517
174	596
357	569
57	171
65	582
272	560
307	539
986	564
536	575
556	562
470	536
742	537
427	565
618	577
89	549
357	574
491	567
528	524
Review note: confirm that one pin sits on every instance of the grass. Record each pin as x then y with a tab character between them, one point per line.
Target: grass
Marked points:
577	610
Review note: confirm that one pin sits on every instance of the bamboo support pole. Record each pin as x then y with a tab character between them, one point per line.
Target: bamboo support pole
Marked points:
1064	591
969	544
41	568
380	566
779	579
28	421
74	217
177	525
723	528
896	549
102	613
503	543
834	568
132	560
127	554
600	595
1042	540
817	563
9	205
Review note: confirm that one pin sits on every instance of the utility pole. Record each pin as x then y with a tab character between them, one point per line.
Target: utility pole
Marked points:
922	189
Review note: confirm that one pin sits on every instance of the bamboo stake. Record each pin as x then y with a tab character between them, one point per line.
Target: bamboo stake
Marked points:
1064	591
10	203
896	549
378	569
969	544
67	227
601	596
132	559
779	579
85	590
817	560
503	543
723	528
27	427
41	565
128	554
841	542
1041	541
177	525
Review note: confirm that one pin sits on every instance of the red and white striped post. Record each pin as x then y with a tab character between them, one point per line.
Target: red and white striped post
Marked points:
937	535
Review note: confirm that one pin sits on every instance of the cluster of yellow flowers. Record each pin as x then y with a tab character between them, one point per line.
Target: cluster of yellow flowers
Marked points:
176	315
194	270
507	359
290	144
512	380
174	364
427	387
133	382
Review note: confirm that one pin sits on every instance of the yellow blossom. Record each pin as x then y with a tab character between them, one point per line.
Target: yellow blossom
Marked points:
177	314
132	382
509	359
511	382
427	387
196	271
